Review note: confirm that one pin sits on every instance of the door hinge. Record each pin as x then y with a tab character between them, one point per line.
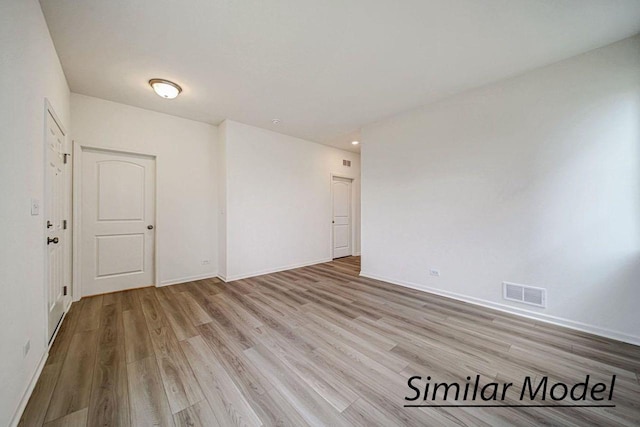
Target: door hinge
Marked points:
64	290
64	224
66	155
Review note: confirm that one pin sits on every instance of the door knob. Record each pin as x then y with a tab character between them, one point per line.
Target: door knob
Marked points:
149	227
54	240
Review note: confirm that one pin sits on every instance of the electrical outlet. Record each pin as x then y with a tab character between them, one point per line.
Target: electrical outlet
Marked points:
26	348
206	262
434	272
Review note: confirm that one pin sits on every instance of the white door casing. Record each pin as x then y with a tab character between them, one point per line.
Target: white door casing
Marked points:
341	216
117	221
56	234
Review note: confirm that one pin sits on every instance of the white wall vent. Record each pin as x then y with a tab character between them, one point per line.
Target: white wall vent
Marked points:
346	163
524	294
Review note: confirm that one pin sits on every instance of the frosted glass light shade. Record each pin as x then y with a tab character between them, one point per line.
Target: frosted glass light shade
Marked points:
165	88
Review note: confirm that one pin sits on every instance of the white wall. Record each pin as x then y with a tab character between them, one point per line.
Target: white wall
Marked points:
278	196
533	180
186	152
29	72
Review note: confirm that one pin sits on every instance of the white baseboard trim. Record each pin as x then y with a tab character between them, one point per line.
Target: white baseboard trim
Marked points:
559	321
36	375
27	394
274	270
170	282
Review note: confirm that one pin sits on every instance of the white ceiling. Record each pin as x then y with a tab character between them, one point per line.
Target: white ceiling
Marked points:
324	67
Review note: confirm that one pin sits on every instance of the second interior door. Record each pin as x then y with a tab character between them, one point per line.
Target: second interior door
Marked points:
341	223
117	220
56	230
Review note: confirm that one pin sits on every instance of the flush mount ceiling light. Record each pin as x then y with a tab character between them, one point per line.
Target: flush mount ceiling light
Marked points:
355	142
276	121
165	88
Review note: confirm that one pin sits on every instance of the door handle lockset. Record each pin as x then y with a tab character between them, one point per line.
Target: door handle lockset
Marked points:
54	240
149	227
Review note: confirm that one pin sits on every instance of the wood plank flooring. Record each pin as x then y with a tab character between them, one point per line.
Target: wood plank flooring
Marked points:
313	346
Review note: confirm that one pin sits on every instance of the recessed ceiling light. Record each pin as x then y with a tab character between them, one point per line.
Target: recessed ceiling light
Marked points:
276	121
165	88
355	142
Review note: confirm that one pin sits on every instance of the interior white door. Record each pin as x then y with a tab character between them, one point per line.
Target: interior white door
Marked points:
341	223
56	231
117	221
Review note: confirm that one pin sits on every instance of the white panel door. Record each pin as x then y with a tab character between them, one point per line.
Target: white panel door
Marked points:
341	194
56	233
117	221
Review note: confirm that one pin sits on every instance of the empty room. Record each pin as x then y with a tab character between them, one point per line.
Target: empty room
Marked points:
320	213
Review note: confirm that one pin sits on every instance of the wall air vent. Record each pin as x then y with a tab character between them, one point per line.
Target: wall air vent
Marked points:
346	163
524	294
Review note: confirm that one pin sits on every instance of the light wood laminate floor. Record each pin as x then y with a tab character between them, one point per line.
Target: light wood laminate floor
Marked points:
313	346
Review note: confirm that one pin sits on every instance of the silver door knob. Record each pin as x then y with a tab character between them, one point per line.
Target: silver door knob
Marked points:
149	227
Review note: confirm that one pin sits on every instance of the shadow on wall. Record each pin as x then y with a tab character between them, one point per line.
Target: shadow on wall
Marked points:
591	202
533	180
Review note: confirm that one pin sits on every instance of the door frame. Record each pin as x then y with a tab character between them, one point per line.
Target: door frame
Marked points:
352	211
78	149
68	260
